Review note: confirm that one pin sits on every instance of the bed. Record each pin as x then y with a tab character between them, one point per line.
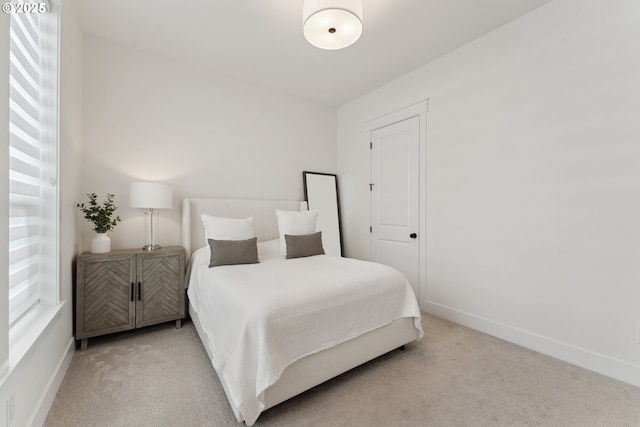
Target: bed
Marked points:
282	326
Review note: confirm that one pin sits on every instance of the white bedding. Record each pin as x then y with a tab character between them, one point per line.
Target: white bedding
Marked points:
262	317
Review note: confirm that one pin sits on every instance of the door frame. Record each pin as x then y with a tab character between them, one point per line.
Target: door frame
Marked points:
419	110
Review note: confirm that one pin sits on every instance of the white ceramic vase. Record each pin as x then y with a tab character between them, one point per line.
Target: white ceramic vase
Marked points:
100	244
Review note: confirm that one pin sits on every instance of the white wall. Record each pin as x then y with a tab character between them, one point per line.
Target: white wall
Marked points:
35	380
533	182
147	118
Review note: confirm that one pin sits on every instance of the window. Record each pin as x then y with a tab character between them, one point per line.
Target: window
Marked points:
32	160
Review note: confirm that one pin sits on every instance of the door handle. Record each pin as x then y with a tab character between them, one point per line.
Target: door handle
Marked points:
413	235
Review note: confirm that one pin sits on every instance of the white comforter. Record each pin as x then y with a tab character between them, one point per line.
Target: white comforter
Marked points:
262	317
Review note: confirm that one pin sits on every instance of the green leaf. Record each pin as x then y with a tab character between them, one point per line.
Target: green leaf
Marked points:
100	215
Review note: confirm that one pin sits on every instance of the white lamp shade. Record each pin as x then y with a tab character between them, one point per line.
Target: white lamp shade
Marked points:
150	195
332	24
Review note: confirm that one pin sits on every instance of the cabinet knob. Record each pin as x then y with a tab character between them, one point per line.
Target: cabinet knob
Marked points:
413	235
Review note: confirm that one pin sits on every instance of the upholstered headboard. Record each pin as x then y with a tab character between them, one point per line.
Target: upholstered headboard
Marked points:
262	211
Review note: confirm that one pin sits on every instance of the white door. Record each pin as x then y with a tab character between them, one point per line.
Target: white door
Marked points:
395	204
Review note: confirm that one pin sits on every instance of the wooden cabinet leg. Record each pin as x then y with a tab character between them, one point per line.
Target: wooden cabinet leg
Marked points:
178	323
83	344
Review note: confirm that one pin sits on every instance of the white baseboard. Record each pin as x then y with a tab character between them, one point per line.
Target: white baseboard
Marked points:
605	365
49	394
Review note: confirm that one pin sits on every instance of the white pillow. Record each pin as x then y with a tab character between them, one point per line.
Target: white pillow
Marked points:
295	223
269	249
219	228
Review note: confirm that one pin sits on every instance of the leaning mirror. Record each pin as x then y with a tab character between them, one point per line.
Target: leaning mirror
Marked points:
321	194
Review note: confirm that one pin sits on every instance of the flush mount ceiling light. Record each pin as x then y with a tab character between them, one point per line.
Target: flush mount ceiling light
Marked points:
332	24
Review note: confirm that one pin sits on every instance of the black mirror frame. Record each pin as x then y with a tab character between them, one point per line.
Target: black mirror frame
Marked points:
306	198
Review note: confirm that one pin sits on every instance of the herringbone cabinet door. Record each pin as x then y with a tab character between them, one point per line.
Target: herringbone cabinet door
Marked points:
161	290
106	296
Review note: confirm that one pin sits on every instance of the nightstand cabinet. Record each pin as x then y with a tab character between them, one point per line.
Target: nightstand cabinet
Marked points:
128	289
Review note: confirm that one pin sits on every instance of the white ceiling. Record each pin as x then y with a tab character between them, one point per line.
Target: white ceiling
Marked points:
261	41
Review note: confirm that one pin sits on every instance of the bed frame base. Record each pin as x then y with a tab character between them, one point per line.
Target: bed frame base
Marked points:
317	368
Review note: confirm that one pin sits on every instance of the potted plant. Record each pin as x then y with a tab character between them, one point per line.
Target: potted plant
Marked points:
101	217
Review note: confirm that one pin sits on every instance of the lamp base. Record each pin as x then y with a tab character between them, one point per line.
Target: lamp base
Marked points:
151	230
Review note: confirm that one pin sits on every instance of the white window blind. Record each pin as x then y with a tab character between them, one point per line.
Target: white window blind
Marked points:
27	163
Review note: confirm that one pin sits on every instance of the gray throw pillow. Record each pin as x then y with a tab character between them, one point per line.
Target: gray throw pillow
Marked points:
304	245
232	252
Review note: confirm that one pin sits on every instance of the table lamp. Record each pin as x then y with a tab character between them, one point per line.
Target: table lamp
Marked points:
150	195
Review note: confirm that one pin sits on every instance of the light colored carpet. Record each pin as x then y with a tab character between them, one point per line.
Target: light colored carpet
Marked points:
454	376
